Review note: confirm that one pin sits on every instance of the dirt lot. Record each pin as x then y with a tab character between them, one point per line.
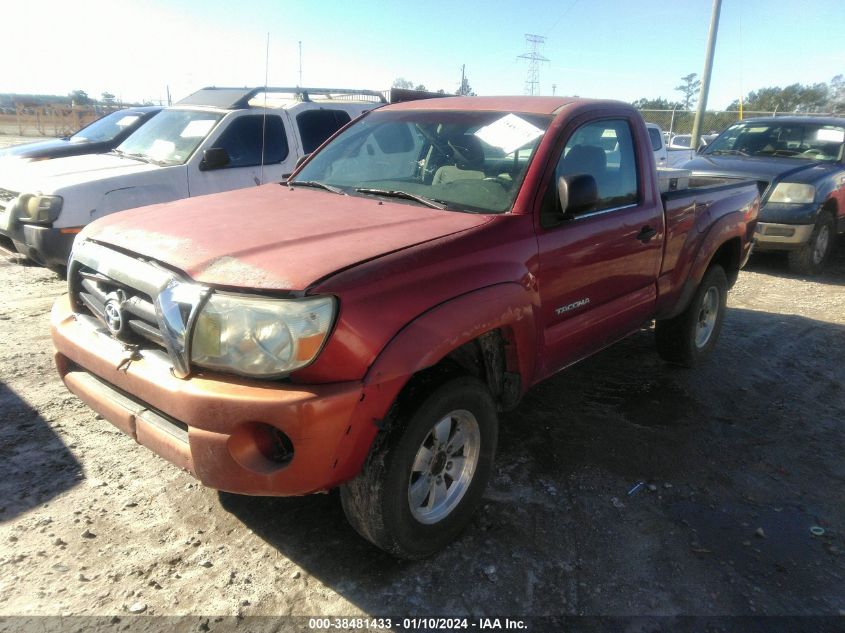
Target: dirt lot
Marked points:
739	460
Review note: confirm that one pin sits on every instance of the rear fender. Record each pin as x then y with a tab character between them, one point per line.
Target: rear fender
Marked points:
674	300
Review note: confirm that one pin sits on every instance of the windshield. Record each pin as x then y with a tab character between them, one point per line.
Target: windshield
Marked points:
170	137
459	160
106	128
809	140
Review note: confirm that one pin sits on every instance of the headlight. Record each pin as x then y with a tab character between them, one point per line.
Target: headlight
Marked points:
793	193
258	336
39	209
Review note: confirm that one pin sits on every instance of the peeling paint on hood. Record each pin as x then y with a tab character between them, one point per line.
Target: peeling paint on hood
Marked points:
273	237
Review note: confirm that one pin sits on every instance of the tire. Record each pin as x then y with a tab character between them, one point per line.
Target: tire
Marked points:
688	338
389	503
811	258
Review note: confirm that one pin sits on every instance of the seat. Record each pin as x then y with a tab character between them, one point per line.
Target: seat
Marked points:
468	156
587	159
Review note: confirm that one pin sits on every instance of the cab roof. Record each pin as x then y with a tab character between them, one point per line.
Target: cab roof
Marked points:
528	105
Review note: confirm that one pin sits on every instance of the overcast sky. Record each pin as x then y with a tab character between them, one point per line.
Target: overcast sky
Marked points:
597	48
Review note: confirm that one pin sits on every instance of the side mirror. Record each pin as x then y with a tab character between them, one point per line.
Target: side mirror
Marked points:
577	194
214	158
301	160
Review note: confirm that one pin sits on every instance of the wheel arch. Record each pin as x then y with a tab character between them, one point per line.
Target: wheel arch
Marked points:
489	333
729	257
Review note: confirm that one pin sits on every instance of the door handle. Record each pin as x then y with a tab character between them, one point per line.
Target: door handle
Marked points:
646	233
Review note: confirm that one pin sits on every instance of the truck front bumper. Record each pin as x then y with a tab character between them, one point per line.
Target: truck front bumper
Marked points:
43	244
212	425
47	246
781	237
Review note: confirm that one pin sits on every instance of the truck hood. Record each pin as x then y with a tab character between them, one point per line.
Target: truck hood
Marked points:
26	150
50	176
273	237
766	168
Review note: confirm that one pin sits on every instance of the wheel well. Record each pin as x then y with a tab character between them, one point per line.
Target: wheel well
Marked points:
487	358
729	257
830	205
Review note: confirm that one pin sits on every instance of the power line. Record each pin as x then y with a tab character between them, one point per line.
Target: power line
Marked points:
532	80
562	15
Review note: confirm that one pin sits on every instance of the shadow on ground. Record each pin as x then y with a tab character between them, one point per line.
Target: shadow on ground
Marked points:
35	464
752	440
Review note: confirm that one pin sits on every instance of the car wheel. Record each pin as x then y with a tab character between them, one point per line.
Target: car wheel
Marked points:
811	258
425	476
689	337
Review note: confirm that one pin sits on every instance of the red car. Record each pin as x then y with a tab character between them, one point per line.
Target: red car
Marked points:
363	324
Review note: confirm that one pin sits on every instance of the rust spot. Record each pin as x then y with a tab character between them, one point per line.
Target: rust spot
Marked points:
247	275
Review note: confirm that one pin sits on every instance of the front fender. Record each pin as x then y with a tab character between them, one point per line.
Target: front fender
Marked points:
136	196
434	334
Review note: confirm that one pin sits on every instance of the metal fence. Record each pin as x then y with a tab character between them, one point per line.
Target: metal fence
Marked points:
48	121
715	121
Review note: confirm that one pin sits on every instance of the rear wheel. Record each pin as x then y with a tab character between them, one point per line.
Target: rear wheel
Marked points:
689	337
811	258
424	479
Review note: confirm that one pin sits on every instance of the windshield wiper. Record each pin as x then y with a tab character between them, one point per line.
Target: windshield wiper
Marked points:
734	152
137	156
317	184
434	204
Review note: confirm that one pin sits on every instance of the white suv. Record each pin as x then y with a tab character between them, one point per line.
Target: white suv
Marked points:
215	140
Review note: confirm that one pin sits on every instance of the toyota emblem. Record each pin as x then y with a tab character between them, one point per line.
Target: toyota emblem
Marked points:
114	317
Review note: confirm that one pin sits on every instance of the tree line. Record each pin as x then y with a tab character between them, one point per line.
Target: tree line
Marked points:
799	98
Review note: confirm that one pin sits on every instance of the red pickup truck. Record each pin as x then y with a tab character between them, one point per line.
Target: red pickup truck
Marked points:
362	324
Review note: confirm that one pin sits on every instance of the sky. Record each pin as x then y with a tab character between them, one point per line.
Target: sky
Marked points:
616	49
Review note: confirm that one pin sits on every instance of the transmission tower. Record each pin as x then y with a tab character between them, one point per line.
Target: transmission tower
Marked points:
532	80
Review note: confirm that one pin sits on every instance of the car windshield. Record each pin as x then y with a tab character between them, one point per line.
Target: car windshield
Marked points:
471	161
170	137
809	140
107	127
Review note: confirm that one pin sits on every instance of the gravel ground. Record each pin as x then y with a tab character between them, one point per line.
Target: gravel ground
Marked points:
738	461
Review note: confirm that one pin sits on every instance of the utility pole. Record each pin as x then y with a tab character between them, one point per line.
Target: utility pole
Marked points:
300	64
463	79
705	77
554	89
532	80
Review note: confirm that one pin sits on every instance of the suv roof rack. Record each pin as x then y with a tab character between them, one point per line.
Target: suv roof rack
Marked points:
235	98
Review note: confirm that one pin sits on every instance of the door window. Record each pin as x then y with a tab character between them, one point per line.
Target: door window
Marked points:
605	151
656	141
315	126
242	140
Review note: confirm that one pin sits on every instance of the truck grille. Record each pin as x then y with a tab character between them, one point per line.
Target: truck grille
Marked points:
137	300
137	315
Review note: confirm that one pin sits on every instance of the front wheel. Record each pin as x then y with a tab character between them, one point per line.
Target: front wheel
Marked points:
811	257
425	477
689	337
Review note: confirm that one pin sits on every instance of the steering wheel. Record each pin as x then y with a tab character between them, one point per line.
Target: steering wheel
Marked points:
504	183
